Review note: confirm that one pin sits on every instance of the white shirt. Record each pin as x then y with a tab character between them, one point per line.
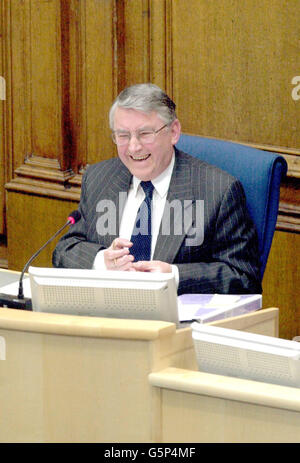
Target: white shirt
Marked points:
134	199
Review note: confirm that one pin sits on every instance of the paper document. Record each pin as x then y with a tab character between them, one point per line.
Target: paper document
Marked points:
2	348
13	288
209	307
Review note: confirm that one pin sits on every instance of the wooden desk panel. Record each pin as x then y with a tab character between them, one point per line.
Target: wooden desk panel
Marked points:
82	379
214	408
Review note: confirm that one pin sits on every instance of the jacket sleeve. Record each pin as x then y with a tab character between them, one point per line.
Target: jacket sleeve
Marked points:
75	249
232	263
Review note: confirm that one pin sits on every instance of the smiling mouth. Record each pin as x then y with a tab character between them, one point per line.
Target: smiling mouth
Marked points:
140	158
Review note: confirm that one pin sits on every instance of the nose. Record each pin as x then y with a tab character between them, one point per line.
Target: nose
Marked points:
134	144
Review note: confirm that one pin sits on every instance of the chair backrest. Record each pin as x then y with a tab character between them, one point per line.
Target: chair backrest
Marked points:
259	172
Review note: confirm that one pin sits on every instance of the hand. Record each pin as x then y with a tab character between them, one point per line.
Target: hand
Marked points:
152	266
117	256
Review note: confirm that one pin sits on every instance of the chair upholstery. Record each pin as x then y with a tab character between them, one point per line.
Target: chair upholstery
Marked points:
259	172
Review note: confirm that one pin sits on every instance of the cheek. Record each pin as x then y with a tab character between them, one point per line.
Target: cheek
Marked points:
122	153
162	154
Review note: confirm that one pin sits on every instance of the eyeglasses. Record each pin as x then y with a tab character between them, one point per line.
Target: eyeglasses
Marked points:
144	136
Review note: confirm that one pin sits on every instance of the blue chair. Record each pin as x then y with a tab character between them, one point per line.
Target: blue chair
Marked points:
259	172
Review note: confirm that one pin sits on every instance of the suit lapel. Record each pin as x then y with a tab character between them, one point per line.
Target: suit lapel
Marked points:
115	194
180	190
181	194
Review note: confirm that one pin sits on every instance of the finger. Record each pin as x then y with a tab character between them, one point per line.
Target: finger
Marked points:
153	266
120	243
116	254
111	257
143	266
127	267
123	263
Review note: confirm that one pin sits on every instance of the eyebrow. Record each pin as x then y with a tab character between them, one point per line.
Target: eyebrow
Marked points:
146	127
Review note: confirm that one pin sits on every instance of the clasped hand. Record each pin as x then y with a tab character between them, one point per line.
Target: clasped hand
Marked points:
118	257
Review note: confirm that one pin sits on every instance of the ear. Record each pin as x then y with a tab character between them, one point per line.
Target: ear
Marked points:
175	131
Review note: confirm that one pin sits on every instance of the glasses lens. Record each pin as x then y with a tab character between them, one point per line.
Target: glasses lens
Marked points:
146	137
120	138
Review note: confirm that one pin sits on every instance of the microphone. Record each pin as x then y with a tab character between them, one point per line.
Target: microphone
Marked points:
21	302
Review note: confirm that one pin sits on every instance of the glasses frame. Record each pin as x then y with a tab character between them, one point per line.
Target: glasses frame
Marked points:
154	132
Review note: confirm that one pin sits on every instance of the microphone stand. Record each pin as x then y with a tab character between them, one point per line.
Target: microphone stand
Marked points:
21	302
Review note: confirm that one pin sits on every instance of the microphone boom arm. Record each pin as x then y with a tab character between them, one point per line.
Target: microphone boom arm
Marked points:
25	303
20	294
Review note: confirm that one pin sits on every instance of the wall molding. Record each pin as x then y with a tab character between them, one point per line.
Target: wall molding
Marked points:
43	168
291	155
288	217
44	177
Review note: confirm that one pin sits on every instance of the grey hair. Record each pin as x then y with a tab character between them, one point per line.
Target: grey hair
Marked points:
146	98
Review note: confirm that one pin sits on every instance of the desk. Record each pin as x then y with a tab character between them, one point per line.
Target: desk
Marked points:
82	379
8	276
214	408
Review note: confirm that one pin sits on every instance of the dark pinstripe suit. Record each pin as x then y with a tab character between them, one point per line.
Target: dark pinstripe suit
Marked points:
226	262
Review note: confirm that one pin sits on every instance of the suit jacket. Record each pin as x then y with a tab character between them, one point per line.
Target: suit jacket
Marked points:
227	261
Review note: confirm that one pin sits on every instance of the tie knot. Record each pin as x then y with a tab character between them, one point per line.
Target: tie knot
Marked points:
148	188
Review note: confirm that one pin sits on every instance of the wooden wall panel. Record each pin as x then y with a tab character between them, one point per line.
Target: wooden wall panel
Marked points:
99	78
36	129
31	222
62	80
231	75
45	75
137	43
281	283
2	134
36	80
158	33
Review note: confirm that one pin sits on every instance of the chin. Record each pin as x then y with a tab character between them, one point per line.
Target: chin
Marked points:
144	177
143	174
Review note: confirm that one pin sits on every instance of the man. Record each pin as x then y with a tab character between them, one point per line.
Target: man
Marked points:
198	225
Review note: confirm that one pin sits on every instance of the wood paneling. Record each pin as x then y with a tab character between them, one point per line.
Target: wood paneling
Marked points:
137	40
289	207
228	65
242	89
281	283
31	222
99	77
45	78
2	131
62	79
36	79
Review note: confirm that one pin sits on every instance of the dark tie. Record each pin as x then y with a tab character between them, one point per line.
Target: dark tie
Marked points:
141	235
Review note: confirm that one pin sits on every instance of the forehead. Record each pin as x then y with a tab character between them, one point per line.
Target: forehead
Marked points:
131	119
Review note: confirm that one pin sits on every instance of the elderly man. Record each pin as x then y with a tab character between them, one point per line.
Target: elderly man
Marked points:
156	209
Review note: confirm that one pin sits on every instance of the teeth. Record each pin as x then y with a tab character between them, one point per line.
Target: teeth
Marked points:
140	158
